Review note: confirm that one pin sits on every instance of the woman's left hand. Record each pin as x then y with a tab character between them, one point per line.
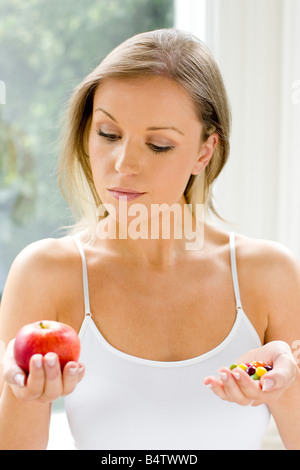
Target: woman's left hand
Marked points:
238	387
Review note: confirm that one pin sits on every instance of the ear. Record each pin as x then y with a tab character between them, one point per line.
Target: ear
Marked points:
206	152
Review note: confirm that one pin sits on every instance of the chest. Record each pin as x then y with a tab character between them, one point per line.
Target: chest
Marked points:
159	316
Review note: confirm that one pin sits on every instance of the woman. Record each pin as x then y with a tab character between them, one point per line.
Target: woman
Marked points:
157	315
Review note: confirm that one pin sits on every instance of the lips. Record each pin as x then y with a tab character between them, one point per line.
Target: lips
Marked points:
127	193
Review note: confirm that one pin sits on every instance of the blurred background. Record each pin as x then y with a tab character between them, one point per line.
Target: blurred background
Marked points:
48	46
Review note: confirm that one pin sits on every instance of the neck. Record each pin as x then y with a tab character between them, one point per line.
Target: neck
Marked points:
156	241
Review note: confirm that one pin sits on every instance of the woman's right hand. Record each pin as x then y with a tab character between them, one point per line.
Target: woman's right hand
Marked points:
45	381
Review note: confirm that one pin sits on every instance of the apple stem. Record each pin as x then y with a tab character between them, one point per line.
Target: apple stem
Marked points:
43	326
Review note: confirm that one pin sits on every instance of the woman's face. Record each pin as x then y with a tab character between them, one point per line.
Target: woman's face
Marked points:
144	141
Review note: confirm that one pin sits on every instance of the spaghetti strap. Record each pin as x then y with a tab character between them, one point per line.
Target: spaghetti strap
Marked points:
234	271
87	307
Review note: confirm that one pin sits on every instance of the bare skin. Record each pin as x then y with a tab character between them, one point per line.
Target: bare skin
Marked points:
172	303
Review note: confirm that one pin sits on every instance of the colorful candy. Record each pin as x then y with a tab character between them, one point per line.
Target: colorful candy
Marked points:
255	369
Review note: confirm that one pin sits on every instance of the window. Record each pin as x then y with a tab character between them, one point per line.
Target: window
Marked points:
47	47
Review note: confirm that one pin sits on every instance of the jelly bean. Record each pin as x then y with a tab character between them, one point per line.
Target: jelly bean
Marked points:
255	369
251	370
260	371
258	364
255	377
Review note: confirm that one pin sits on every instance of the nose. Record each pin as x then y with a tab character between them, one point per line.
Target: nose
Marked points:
128	160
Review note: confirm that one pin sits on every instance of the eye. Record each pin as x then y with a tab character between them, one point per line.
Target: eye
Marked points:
160	149
109	137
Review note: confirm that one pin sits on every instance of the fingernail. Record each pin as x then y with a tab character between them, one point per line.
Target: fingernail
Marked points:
208	386
223	376
236	375
51	359
19	380
268	384
73	370
38	362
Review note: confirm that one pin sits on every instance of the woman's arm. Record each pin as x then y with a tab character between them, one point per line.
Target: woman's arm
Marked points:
23	425
284	324
279	276
25	404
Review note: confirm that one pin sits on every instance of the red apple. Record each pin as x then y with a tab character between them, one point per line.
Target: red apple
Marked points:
46	336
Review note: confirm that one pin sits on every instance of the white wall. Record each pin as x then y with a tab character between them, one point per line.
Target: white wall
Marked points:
289	169
191	15
257	46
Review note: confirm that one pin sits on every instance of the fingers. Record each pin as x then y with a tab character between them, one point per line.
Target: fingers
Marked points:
237	389
216	386
45	381
35	380
13	374
52	383
72	374
249	391
282	375
236	386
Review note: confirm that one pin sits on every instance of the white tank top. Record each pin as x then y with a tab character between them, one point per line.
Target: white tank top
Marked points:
126	402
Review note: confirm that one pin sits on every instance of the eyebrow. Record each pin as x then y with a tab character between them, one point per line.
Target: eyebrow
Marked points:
107	114
165	128
153	128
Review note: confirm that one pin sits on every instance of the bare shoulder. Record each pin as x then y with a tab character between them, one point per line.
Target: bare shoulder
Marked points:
263	265
271	274
41	261
266	258
43	251
37	279
265	255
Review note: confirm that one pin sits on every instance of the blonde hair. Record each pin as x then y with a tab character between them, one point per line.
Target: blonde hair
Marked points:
171	53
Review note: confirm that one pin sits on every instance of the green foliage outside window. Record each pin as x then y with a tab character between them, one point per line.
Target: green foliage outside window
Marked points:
46	48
